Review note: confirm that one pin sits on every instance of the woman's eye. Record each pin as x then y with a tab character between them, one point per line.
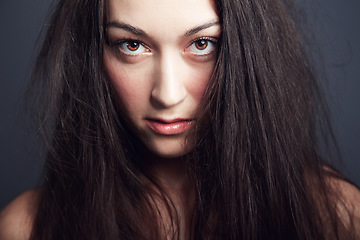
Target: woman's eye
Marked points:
132	47
202	46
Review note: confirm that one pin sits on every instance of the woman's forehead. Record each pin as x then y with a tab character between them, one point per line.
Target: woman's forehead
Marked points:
169	16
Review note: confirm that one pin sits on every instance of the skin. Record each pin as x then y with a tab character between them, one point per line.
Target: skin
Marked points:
165	78
16	219
160	62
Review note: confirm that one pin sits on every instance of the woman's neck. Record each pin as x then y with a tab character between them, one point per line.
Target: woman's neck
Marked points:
171	175
170	172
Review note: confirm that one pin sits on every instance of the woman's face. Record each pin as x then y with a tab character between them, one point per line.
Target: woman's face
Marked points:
159	56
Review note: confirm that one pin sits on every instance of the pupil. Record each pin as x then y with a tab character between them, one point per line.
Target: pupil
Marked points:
133	46
201	44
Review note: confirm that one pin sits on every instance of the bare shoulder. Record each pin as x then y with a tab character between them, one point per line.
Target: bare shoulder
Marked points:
16	218
348	203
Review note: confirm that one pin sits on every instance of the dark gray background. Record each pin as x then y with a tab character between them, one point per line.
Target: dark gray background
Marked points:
21	21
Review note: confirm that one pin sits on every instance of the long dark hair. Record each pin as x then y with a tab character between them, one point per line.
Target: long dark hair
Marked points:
257	169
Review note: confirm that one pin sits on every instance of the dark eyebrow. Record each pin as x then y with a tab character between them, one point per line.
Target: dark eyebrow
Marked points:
140	32
126	27
201	27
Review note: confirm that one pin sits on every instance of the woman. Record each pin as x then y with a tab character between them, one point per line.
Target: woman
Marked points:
171	119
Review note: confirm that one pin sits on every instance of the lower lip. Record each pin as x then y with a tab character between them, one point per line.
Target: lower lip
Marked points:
173	128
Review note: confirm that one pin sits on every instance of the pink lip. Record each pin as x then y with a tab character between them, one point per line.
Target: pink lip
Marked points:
168	126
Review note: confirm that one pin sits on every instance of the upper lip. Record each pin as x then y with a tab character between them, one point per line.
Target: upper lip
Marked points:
163	120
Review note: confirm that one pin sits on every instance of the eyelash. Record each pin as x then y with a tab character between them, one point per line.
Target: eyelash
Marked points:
211	40
122	49
117	44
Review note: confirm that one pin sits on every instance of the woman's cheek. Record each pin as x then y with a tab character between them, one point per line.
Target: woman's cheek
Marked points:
197	84
129	83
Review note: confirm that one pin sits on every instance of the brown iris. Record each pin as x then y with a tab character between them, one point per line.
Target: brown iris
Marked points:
201	44
133	46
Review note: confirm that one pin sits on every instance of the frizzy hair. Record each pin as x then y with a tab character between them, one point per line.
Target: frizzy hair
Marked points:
256	139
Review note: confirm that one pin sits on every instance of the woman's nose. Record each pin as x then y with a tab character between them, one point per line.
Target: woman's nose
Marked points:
170	72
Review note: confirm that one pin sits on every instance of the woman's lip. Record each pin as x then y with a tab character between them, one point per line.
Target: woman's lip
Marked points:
168	126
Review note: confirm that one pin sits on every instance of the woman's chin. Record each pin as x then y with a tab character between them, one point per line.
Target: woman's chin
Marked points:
169	149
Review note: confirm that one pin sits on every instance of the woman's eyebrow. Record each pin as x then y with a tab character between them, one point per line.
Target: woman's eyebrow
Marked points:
201	27
126	27
140	32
